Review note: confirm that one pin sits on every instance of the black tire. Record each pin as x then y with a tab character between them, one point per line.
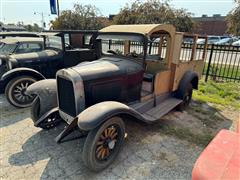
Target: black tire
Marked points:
98	143
186	97
50	122
15	91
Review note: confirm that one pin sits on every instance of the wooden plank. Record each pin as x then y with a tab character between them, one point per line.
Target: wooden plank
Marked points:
163	108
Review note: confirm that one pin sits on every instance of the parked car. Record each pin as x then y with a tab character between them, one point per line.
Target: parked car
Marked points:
20	45
19	70
17	34
236	43
226	41
211	40
223	37
98	96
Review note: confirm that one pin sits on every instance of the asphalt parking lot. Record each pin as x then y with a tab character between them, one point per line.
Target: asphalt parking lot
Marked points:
28	152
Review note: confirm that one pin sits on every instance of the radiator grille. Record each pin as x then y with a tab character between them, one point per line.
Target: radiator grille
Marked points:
66	98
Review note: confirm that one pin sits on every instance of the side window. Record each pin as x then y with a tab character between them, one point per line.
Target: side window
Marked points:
186	53
29	47
34	47
193	48
158	48
67	38
87	39
22	48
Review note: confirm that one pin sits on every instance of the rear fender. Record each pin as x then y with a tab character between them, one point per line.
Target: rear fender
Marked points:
46	90
95	115
188	77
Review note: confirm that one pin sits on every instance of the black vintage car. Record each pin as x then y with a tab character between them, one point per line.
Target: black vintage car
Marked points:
60	49
18	34
20	45
132	80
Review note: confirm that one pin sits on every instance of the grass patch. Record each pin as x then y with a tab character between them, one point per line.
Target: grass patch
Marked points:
186	134
224	93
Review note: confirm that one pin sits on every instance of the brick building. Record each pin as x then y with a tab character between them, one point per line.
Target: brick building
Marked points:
214	25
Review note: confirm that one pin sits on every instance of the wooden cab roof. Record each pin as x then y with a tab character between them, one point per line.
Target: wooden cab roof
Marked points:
144	29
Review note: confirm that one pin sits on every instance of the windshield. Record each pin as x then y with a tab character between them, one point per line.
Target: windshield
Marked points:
54	42
7	48
123	45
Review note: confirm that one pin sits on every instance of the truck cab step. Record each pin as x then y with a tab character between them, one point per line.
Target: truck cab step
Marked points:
161	109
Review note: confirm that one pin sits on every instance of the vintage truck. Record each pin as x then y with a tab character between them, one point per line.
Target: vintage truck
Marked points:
60	49
133	81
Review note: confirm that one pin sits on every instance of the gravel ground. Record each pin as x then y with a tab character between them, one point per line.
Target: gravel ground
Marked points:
27	152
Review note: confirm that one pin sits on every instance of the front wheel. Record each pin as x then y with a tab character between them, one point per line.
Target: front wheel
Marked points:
16	91
103	144
49	122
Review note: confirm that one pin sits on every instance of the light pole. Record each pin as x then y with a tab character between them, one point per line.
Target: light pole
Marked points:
58	11
42	18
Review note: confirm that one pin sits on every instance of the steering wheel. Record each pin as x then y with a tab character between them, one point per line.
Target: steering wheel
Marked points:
111	51
68	46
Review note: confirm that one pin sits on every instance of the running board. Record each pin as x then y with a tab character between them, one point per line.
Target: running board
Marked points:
162	109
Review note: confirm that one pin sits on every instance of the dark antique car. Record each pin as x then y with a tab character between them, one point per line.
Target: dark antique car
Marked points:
17	34
20	45
61	49
131	80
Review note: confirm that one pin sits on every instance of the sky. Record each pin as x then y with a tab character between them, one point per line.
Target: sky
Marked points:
13	11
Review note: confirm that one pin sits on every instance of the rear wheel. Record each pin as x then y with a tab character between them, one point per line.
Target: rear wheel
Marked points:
15	91
103	144
186	97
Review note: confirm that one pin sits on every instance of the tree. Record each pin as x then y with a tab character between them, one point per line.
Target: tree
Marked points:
33	28
81	17
233	20
154	12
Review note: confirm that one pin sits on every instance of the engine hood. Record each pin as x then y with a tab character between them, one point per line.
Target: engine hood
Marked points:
107	67
34	56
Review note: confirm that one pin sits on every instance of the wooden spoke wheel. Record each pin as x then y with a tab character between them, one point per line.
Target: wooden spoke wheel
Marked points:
107	142
15	91
103	144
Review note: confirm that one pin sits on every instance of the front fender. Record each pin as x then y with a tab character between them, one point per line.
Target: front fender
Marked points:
46	90
95	115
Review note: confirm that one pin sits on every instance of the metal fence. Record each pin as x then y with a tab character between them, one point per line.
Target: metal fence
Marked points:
222	62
